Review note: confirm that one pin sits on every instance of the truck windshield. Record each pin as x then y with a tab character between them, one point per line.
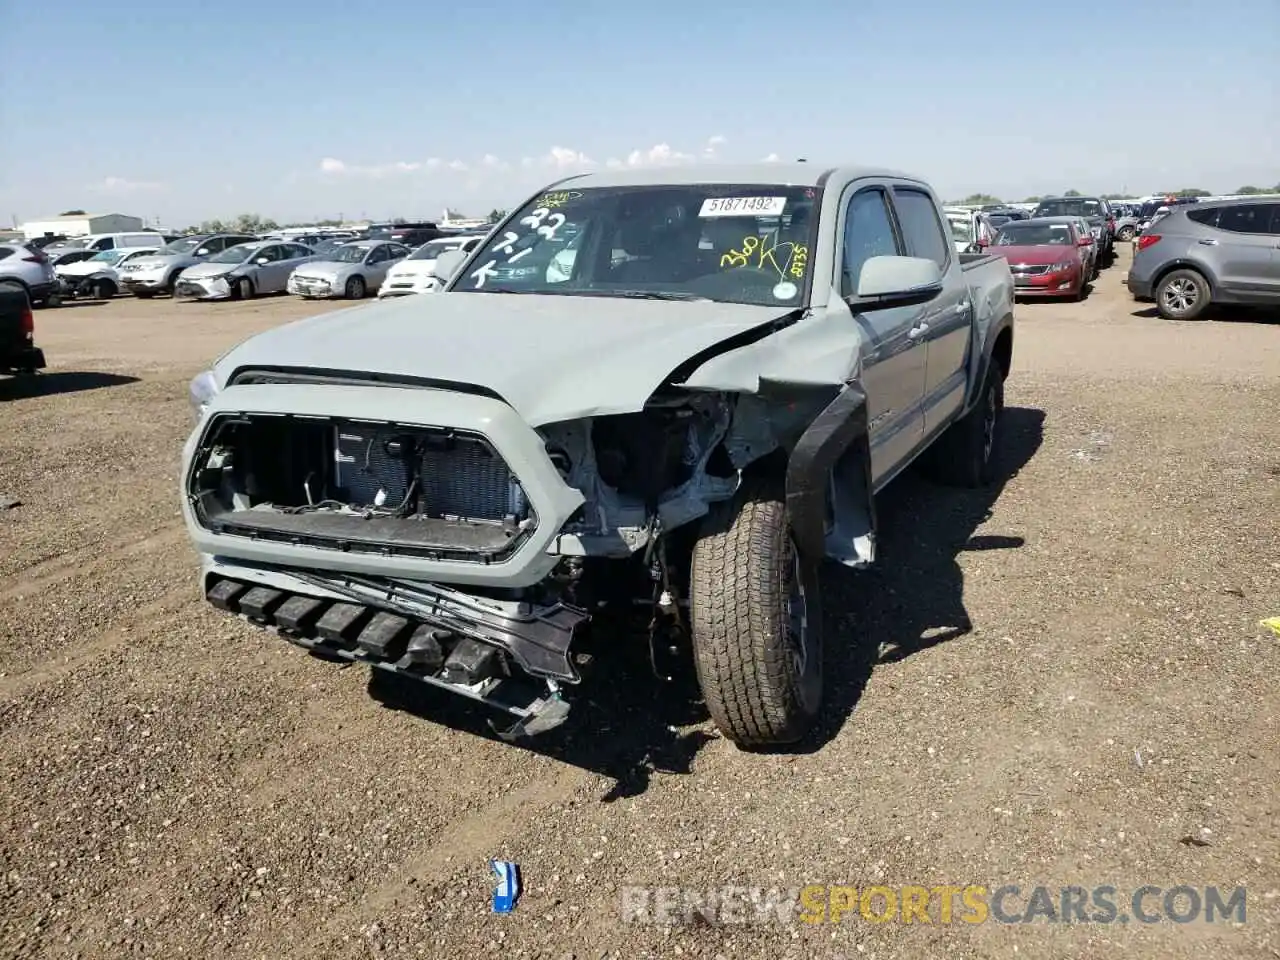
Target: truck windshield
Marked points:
733	243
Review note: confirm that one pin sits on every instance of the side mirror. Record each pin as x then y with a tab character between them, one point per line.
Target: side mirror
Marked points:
262	261
898	281
202	252
446	264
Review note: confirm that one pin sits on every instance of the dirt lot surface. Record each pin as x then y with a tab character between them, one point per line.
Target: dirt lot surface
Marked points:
1059	681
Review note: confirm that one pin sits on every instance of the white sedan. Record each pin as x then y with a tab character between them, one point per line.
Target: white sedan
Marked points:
352	271
413	274
99	274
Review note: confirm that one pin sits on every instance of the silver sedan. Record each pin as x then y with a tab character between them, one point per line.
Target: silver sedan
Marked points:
242	271
353	271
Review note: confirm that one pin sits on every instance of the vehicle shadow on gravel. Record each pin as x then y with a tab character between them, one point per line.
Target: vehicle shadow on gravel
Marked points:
912	598
627	725
24	386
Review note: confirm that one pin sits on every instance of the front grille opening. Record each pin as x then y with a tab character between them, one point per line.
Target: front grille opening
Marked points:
360	486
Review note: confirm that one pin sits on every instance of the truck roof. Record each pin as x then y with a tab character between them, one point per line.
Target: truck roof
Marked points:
801	174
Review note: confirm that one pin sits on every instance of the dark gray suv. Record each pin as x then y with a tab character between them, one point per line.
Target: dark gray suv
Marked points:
1223	252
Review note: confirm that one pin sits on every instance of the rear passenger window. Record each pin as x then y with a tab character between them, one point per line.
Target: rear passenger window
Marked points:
1246	218
1207	217
106	243
921	228
868	232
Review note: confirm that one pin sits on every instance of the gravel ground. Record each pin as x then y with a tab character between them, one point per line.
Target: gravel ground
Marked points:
1060	681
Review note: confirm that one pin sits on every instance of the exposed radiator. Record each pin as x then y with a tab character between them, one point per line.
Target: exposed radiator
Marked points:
459	477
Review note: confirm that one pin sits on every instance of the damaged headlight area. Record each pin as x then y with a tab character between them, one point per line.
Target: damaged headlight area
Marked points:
359	487
203	388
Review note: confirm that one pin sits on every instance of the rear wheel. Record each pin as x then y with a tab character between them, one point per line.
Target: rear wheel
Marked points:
355	289
103	289
1125	233
757	624
1182	295
965	456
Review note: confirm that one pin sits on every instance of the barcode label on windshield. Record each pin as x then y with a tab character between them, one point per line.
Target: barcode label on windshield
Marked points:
743	207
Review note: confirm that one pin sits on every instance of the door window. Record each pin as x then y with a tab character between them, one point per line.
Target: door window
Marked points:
868	232
918	215
270	254
106	243
1245	218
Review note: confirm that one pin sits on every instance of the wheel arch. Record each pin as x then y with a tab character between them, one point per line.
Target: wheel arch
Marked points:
1185	263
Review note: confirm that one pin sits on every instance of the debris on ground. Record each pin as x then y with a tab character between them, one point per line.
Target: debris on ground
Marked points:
8	503
1272	624
507	892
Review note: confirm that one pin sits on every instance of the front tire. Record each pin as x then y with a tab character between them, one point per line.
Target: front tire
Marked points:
966	455
355	289
757	624
243	289
103	290
1183	295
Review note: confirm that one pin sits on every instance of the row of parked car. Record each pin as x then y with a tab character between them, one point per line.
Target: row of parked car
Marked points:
395	261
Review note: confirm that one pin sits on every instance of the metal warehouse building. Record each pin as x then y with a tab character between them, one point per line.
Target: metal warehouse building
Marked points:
80	225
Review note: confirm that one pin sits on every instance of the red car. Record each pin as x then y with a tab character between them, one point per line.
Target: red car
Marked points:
1045	257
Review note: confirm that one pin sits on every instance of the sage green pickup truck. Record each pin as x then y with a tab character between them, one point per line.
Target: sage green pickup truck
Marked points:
675	391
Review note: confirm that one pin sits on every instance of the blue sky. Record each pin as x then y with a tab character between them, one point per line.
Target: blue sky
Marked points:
297	110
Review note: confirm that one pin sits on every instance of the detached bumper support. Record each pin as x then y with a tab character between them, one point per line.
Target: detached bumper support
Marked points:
447	649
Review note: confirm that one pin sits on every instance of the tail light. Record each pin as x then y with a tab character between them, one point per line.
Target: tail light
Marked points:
35	257
28	321
1148	239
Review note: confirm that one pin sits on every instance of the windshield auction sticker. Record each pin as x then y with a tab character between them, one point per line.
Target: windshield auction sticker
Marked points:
743	207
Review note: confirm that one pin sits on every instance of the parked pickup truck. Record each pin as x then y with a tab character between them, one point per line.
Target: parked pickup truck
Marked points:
18	351
684	417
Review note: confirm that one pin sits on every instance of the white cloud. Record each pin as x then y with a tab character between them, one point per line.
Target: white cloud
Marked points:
339	168
660	155
771	158
713	145
121	186
457	165
493	163
566	159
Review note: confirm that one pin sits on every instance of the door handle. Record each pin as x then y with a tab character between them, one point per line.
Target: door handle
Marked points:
1209	242
916	332
960	309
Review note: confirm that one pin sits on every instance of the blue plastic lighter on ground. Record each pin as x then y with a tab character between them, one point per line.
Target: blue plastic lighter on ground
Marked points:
507	892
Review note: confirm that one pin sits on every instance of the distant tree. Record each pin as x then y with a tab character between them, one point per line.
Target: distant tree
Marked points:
1033	200
1118	196
253	223
495	215
456	215
978	199
1072	193
1249	191
72	213
1192	193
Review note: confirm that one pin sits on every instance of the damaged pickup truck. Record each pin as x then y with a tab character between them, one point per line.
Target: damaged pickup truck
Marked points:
667	393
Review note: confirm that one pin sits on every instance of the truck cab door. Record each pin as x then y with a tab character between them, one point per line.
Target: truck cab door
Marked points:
947	319
893	366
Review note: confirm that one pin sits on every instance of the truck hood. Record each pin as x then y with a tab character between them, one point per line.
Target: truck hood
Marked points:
1034	255
552	358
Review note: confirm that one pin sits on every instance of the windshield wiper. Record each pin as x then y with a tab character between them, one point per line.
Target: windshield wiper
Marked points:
649	295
